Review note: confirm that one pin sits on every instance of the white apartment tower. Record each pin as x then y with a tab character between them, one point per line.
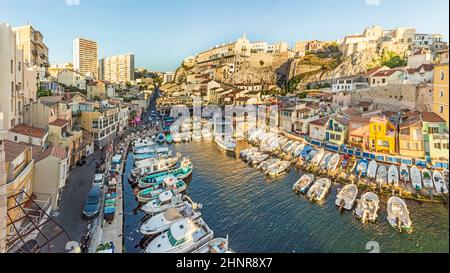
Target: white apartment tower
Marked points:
117	69
85	57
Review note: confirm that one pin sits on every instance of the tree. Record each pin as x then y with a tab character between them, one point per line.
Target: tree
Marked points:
391	59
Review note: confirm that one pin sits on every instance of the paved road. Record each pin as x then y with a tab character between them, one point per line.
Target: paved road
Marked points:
73	197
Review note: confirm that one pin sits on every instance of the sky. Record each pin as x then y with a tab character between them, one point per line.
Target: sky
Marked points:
162	33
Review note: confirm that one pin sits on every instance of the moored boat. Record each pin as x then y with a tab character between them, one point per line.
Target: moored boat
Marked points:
183	236
334	162
318	157
398	214
347	196
278	169
319	189
162	221
393	176
372	169
302	185
404	173
439	182
427	179
361	168
325	160
416	178
367	207
382	175
226	144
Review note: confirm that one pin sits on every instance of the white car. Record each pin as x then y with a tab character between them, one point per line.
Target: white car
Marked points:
99	180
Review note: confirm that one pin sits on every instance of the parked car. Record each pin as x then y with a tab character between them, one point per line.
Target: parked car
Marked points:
92	204
99	180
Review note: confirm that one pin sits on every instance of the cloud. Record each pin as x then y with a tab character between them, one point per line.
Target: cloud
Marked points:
72	2
373	2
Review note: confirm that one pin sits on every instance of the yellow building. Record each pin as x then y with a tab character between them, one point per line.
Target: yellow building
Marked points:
61	135
382	135
102	124
31	41
440	93
96	90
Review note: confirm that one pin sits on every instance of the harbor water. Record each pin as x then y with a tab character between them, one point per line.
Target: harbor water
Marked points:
260	215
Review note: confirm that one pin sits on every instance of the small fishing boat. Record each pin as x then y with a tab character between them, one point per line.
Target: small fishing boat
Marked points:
243	153
302	185
161	138
306	151
154	165
439	182
382	175
148	194
361	168
372	169
144	150
345	159
346	197
319	189
169	139
278	168
268	163
326	159
367	208
162	221
318	157
197	136
258	159
298	151
398	214
164	202
183	236
416	178
226	144
393	176
217	245
404	173
427	179
334	162
182	172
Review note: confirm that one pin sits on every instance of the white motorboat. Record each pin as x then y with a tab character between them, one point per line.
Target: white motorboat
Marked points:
334	162
226	144
217	245
162	203
319	189
325	160
297	152
346	197
268	163
302	185
154	165
318	157
144	150
404	173
398	214
439	182
278	169
427	180
258	159
416	178
367	208
183	236
393	176
186	137
162	221
243	153
382	175
372	169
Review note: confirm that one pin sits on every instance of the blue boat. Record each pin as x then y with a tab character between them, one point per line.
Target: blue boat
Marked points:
306	151
361	168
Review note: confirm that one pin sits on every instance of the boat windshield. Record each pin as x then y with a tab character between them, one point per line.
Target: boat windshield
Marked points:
173	241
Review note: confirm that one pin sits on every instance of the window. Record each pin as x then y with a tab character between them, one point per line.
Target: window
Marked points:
442	75
437	145
12	66
433	130
20	64
441	93
383	81
441	109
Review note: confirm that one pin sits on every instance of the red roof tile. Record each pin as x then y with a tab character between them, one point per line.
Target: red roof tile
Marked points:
431	117
320	121
13	149
28	130
55	151
59	122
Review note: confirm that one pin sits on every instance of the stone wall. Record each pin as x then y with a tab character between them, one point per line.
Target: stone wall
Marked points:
397	97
